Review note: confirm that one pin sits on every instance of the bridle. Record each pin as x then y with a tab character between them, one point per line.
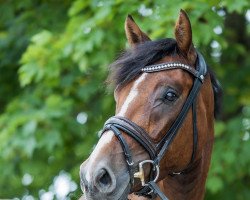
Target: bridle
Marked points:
157	151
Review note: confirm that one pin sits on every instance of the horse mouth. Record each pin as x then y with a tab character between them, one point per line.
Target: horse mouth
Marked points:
123	196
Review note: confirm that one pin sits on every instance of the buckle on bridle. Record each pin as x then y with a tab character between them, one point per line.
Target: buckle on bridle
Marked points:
130	163
140	174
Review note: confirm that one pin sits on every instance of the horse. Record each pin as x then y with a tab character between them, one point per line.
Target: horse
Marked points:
159	143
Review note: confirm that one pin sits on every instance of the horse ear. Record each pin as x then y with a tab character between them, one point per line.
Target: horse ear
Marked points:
133	32
183	36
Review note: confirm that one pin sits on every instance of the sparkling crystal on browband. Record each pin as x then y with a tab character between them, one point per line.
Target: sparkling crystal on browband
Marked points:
169	65
165	65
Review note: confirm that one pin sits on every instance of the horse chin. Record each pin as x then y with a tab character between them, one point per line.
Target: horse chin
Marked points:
122	194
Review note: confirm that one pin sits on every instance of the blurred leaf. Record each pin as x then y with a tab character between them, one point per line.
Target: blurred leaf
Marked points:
219	128
214	184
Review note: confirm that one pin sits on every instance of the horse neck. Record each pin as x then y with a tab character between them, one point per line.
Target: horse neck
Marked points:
191	184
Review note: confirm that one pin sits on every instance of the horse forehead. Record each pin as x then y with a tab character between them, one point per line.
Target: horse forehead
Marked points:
146	83
131	93
149	81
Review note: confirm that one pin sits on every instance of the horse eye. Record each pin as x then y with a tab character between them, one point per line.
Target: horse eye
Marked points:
170	96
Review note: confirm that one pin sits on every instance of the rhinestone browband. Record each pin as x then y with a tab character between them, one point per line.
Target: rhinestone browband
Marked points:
170	65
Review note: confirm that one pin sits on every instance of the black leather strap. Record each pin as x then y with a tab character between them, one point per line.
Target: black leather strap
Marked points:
151	191
156	190
134	131
195	142
163	145
195	131
126	151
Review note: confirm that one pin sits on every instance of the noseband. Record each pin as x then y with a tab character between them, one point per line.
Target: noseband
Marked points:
157	151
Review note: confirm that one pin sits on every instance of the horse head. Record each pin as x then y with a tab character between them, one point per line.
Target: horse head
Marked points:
162	133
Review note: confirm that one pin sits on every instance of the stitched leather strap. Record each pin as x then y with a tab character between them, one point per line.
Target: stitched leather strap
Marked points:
151	191
156	190
134	131
126	151
172	132
195	131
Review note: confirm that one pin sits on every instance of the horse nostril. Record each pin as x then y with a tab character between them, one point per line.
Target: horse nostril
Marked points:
104	181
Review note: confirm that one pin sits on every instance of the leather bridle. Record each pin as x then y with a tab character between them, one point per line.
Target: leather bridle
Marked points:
157	151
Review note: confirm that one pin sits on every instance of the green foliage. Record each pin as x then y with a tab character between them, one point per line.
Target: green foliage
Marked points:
53	61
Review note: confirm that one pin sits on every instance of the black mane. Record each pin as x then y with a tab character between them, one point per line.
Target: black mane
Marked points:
218	93
128	66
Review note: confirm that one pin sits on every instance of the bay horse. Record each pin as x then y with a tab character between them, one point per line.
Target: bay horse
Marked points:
159	143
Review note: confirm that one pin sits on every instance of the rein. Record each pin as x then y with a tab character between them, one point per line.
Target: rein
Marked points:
157	151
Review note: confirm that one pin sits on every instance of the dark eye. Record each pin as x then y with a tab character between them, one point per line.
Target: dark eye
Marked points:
170	96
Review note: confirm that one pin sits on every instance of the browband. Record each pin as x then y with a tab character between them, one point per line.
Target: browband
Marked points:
199	72
169	65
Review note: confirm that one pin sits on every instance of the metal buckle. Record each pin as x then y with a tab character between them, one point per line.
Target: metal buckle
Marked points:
140	173
130	164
